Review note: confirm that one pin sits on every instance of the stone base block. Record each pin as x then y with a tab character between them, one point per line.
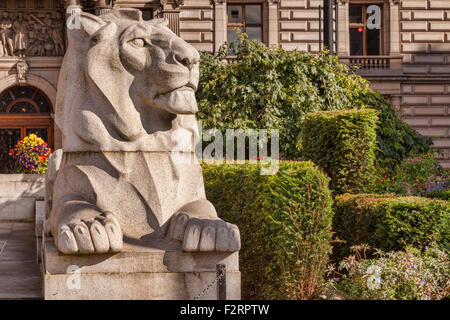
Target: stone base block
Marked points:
136	273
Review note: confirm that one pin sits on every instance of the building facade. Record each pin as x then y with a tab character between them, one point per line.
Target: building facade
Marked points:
401	46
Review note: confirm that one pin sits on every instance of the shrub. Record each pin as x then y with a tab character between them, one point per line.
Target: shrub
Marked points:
390	223
415	176
396	139
285	225
408	275
267	87
31	155
343	144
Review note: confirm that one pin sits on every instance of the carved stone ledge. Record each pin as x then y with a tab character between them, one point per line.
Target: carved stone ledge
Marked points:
175	3
22	71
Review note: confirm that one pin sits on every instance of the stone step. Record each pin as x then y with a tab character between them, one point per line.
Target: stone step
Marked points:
20	275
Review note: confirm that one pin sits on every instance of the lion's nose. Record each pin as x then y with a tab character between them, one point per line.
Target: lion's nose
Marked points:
185	54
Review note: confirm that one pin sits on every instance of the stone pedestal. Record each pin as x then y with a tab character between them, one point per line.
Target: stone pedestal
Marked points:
136	273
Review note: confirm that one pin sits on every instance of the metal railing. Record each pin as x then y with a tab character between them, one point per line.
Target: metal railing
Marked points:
373	63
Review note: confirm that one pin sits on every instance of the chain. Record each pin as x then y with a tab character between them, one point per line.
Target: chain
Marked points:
209	286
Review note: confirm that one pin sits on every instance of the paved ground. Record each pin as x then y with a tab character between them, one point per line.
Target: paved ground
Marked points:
20	276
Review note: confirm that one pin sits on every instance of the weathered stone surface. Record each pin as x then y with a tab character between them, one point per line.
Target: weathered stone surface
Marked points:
137	273
20	277
126	108
39	217
18	193
126	198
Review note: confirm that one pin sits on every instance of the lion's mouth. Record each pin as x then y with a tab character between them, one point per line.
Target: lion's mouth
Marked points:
179	101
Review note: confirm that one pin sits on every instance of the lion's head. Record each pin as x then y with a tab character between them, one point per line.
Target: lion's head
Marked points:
124	82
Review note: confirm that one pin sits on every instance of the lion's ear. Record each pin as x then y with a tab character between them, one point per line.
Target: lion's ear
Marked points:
84	26
90	23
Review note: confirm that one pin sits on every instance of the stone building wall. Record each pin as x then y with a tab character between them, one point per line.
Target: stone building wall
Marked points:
197	24
415	71
299	24
425	92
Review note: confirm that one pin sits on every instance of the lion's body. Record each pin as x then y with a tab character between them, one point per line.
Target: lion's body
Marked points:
125	107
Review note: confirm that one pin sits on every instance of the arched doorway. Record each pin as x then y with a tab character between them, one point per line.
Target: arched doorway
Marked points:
23	110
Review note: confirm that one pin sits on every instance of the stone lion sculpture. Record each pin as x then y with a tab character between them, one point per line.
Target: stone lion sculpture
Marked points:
126	108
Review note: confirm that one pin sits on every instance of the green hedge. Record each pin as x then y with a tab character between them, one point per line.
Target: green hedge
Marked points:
443	195
285	224
388	222
343	144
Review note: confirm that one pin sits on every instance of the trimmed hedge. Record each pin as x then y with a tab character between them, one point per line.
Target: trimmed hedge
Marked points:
388	222
443	195
343	144
285	224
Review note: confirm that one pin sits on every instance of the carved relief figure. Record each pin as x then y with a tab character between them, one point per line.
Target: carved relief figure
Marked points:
6	34
31	34
126	106
57	34
22	70
20	27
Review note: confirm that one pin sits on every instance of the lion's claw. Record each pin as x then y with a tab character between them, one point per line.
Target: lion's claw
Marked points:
87	232
204	234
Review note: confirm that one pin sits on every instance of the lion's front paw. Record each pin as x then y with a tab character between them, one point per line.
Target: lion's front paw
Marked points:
90	232
204	234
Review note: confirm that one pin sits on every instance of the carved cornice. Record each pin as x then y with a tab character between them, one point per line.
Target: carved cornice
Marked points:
177	3
394	2
213	2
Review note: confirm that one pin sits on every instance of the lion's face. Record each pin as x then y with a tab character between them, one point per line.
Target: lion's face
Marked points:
144	60
165	67
123	82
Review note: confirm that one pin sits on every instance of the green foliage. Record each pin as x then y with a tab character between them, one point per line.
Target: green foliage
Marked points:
415	176
443	195
343	144
274	89
402	275
396	139
388	222
285	224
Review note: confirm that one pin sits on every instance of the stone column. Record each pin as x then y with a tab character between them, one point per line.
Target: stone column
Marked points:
343	29
272	23
394	28
220	23
170	10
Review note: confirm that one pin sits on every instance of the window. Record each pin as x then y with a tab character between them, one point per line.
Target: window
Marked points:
247	18
366	29
147	14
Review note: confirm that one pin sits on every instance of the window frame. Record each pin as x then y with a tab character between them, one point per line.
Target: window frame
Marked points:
363	24
243	24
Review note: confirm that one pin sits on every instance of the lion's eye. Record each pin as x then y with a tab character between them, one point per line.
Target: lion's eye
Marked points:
138	42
